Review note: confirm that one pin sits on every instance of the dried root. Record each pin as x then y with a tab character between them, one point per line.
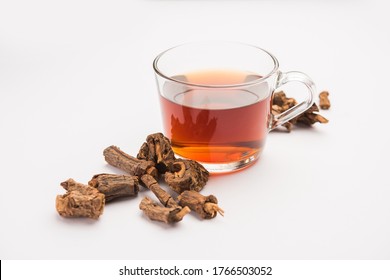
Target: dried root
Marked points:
186	175
206	206
115	186
80	201
157	148
324	100
165	199
180	174
159	213
114	156
170	212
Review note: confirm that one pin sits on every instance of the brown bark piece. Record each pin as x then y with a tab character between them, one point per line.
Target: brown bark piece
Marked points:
280	99
115	157
170	212
80	201
324	100
281	103
157	212
165	199
310	116
115	186
206	206
186	175
157	148
276	110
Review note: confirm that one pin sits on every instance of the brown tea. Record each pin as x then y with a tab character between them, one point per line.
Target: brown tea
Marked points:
216	124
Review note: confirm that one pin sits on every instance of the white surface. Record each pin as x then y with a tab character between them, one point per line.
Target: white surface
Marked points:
75	76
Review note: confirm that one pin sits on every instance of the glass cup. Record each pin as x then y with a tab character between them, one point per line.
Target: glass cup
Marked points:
216	101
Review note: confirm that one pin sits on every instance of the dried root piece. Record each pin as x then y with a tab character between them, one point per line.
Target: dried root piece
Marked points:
281	103
179	174
281	100
157	212
324	100
170	212
310	116
80	201
115	186
206	206
114	156
157	148
162	195
186	175
276	110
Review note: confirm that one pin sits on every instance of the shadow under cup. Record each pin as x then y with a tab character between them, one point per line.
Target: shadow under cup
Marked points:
216	102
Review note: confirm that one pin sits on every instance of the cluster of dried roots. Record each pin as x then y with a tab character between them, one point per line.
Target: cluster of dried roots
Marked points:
155	160
282	103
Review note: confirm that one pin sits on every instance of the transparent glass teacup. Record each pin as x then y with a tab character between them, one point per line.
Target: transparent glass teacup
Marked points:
216	101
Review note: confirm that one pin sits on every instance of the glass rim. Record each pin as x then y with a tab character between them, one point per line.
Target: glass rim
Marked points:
253	82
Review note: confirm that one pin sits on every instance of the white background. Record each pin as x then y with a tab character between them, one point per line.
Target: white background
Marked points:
76	76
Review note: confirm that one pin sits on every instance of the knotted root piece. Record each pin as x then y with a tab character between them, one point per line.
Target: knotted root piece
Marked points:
170	212
324	100
276	110
157	212
310	117
80	201
115	186
157	148
281	103
206	206
165	198
183	175
136	167
280	99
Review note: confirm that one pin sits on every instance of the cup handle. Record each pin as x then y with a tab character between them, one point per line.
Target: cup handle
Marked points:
294	76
